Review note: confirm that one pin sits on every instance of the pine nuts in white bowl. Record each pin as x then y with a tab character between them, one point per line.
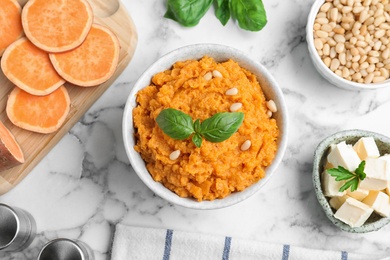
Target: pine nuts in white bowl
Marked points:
219	53
349	42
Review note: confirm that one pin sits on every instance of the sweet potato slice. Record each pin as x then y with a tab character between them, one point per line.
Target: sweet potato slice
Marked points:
10	23
10	153
57	25
41	114
93	62
29	68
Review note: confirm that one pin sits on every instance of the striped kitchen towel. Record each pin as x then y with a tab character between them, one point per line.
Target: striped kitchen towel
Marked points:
149	244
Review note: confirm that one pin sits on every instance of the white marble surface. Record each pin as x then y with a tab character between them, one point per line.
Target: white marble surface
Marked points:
86	185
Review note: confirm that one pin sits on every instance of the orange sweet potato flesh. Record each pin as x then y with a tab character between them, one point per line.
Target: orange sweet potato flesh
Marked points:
10	23
57	25
10	153
41	114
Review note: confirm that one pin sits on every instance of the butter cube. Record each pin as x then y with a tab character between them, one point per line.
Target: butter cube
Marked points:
379	202
366	147
388	188
336	202
376	174
330	186
386	158
358	194
353	212
344	155
372	184
377	168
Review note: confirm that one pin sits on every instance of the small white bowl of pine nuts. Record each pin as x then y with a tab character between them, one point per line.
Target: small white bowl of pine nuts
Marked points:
349	42
271	114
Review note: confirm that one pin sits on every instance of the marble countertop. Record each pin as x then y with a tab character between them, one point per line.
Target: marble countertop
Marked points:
85	185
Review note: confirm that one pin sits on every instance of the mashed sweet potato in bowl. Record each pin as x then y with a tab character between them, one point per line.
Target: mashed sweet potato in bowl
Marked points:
204	81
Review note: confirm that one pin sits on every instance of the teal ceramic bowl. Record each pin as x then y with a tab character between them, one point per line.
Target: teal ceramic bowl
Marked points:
375	222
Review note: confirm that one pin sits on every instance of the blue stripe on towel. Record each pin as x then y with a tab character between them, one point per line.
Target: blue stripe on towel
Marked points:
168	244
286	252
226	248
344	255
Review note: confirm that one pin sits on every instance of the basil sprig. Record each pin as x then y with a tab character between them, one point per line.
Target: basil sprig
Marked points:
218	128
250	14
342	174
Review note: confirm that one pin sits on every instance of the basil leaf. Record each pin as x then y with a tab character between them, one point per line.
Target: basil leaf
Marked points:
340	173
197	139
187	12
221	126
250	14
175	123
222	10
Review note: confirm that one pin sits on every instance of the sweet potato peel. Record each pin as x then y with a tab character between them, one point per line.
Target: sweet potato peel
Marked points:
10	153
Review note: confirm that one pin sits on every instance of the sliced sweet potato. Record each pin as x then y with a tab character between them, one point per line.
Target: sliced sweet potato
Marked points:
93	62
10	153
57	25
29	68
41	114
10	23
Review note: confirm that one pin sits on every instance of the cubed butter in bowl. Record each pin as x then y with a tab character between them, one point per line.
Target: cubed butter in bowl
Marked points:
351	177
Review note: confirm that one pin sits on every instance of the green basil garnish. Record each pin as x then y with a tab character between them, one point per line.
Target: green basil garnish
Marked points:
250	14
187	12
222	11
221	126
218	128
175	124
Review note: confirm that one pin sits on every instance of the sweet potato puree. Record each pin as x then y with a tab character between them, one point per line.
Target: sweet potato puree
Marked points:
214	170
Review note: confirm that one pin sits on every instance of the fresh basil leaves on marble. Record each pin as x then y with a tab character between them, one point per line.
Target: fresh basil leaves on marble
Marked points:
342	174
218	128
250	14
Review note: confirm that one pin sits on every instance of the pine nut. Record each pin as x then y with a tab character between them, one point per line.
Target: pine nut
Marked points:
174	155
246	145
334	65
378	79
208	76
384	73
327	61
343	58
334	12
235	107
326	28
380	33
217	74
386	54
321	34
378	21
271	105
369	78
269	113
231	92
326	49
340	47
345	72
339	38
318	44
325	7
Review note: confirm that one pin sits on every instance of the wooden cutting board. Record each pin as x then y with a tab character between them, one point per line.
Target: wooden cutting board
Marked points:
35	146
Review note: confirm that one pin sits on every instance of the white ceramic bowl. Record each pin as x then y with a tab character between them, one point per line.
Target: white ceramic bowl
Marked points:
322	68
219	53
350	137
